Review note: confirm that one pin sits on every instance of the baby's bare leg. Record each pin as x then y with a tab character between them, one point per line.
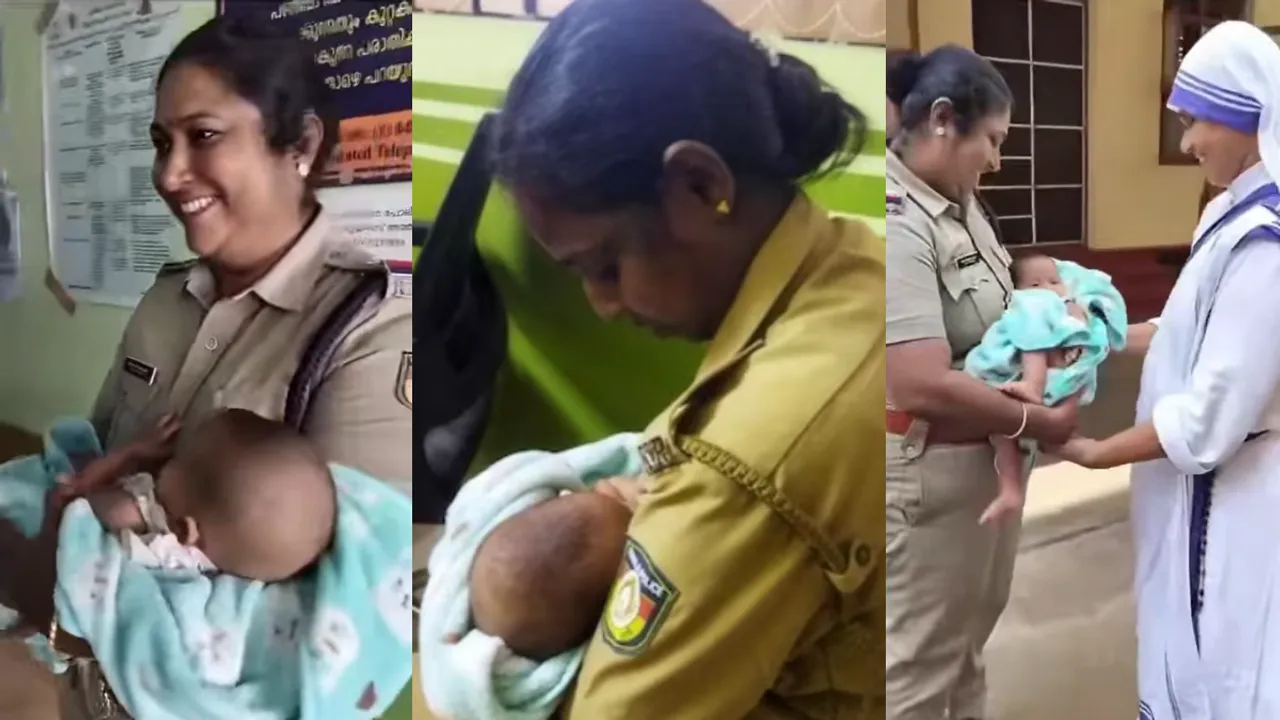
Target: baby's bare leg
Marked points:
1009	497
1035	373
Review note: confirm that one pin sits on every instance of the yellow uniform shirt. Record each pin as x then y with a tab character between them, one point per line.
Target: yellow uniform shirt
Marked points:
753	585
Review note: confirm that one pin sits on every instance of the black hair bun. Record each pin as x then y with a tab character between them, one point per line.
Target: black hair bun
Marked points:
819	127
901	76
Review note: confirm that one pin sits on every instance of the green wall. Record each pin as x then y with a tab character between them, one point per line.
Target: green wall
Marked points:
571	377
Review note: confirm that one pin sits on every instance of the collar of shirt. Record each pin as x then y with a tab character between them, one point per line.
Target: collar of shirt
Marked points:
1249	180
768	281
288	283
933	202
1240	188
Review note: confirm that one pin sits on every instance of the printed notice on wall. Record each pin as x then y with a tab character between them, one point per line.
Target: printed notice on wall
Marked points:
363	49
108	230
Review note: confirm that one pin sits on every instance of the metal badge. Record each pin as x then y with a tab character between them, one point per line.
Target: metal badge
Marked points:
657	456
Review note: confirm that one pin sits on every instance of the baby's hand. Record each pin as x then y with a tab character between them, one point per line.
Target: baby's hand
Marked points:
625	490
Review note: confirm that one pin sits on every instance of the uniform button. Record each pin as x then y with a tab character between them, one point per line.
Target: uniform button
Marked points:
862	555
211	344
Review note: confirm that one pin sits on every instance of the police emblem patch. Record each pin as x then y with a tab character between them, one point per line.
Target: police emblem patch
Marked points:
404	380
641	598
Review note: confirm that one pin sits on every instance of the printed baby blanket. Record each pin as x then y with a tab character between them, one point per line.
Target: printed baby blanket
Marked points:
184	645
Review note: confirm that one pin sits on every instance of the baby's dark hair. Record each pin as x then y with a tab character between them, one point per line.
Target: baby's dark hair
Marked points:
245	470
536	578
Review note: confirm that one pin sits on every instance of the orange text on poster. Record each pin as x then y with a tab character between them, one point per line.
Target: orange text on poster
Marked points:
373	147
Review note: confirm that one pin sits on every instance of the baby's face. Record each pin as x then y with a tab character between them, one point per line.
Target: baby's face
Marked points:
1040	273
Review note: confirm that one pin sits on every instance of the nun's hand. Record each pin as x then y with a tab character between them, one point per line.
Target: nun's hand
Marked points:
1081	451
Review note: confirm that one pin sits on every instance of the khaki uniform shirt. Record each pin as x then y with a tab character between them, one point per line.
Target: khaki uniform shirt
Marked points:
948	276
185	351
753	584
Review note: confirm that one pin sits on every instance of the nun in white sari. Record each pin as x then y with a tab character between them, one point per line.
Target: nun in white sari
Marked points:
1206	447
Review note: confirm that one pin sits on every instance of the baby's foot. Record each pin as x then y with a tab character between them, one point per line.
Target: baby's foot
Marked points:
1006	503
1023	391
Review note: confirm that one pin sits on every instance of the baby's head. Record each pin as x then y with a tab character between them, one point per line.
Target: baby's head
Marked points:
542	577
1037	271
252	494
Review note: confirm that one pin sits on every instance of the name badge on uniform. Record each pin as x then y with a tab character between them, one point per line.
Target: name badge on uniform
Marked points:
968	260
144	372
657	456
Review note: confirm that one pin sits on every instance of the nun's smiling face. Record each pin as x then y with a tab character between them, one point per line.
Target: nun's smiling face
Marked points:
1223	152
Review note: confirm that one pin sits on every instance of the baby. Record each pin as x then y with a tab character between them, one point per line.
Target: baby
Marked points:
541	579
1029	272
244	495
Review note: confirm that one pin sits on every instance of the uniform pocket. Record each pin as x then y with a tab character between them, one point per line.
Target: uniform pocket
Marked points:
130	410
904	488
975	291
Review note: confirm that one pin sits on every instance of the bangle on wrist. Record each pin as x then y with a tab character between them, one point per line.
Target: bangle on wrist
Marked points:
1021	428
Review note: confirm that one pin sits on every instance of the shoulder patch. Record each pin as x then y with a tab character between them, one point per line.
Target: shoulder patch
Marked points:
640	600
404	380
893	203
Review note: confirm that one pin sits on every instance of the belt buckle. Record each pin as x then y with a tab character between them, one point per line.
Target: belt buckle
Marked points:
99	701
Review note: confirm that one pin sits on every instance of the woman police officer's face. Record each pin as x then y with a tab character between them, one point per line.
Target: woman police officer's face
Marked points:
1223	152
674	269
630	265
213	166
975	153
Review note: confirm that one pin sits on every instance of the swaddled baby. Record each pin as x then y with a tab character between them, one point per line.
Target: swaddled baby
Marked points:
1031	272
541	579
246	496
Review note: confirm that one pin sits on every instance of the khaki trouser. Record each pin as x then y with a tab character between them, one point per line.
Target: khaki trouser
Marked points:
948	577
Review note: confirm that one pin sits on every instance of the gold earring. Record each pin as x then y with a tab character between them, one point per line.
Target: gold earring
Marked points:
723	207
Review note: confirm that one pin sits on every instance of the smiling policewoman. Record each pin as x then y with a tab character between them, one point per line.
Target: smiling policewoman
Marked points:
279	313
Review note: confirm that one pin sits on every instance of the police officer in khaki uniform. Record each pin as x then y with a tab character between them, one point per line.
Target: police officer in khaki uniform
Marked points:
655	151
240	131
948	281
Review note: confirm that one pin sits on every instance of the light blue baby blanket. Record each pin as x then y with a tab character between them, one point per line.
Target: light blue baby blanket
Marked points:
1038	320
478	677
186	646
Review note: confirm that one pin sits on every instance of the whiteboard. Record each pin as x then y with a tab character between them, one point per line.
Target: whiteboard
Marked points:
109	232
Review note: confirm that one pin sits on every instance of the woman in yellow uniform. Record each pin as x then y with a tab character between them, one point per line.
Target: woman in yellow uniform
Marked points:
241	133
657	152
948	281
